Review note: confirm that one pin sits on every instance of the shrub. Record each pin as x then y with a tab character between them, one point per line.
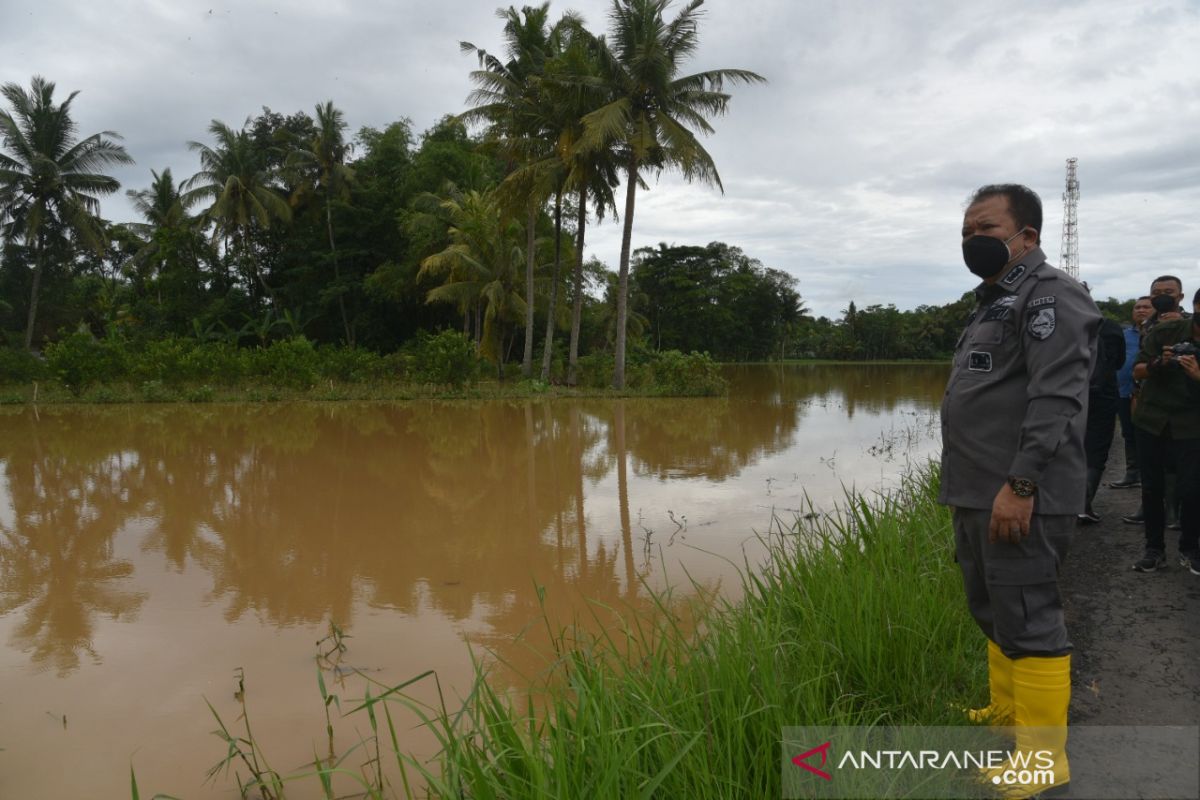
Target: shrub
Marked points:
447	359
200	394
396	366
79	360
675	373
290	363
594	371
103	395
217	362
351	364
165	361
157	392
20	366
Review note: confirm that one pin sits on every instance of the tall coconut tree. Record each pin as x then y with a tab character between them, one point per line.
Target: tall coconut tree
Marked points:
50	181
321	166
236	180
655	111
508	99
573	80
569	90
549	158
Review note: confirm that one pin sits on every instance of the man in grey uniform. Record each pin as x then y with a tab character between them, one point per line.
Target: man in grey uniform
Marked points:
1013	465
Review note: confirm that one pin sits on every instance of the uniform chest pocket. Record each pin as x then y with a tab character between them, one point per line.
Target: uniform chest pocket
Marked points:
989	332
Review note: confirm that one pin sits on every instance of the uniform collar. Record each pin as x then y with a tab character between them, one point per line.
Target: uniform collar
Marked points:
1015	276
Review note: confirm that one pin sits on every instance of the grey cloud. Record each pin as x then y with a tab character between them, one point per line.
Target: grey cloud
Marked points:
849	169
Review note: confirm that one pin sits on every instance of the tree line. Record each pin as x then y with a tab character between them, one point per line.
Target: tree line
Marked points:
292	226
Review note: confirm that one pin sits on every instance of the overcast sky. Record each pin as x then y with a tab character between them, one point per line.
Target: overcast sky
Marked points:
849	169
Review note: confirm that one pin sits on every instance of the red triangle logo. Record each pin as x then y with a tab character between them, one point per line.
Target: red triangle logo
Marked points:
823	750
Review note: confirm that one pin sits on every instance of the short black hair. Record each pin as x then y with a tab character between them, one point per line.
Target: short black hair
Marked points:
1148	297
1023	203
1165	278
1196	297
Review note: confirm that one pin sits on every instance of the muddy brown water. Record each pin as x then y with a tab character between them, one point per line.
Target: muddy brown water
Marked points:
149	552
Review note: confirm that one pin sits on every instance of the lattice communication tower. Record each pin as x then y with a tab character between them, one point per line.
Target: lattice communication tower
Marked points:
1069	254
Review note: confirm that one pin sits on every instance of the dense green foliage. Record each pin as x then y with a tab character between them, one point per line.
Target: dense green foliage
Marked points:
715	299
294	227
80	360
176	368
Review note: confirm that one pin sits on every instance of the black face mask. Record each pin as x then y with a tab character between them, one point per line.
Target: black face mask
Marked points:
987	255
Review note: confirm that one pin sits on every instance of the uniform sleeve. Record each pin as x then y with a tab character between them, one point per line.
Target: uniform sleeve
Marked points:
1059	327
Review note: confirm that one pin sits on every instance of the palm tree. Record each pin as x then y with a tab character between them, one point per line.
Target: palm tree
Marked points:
322	164
508	99
481	266
49	181
537	112
569	91
574	79
235	176
164	207
653	110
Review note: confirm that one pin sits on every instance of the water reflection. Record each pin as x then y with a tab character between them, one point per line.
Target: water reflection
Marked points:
215	519
296	511
56	554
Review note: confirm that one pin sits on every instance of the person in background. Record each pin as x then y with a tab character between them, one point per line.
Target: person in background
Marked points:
1167	418
1173	287
1104	397
1165	298
1166	308
1142	311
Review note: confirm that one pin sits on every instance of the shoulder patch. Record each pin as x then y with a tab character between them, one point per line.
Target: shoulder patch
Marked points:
1042	323
1048	300
1014	275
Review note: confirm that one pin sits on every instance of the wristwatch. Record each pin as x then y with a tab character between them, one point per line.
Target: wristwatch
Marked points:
1021	487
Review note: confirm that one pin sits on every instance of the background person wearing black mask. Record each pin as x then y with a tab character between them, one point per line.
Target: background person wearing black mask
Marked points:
1167	419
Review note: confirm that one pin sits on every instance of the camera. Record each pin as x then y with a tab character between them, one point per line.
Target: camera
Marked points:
1184	349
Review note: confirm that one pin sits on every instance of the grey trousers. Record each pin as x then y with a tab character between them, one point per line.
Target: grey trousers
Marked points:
1012	589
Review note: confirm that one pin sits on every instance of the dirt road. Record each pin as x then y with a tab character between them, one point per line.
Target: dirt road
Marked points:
1136	636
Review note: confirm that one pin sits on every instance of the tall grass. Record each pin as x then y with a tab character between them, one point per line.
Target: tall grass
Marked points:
856	619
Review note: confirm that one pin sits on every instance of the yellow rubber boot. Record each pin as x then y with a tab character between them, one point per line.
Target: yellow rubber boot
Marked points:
999	710
1041	695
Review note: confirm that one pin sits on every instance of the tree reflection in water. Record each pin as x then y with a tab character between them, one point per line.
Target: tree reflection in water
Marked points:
57	565
301	513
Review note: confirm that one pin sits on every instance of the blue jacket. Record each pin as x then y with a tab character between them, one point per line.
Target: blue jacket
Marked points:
1125	374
